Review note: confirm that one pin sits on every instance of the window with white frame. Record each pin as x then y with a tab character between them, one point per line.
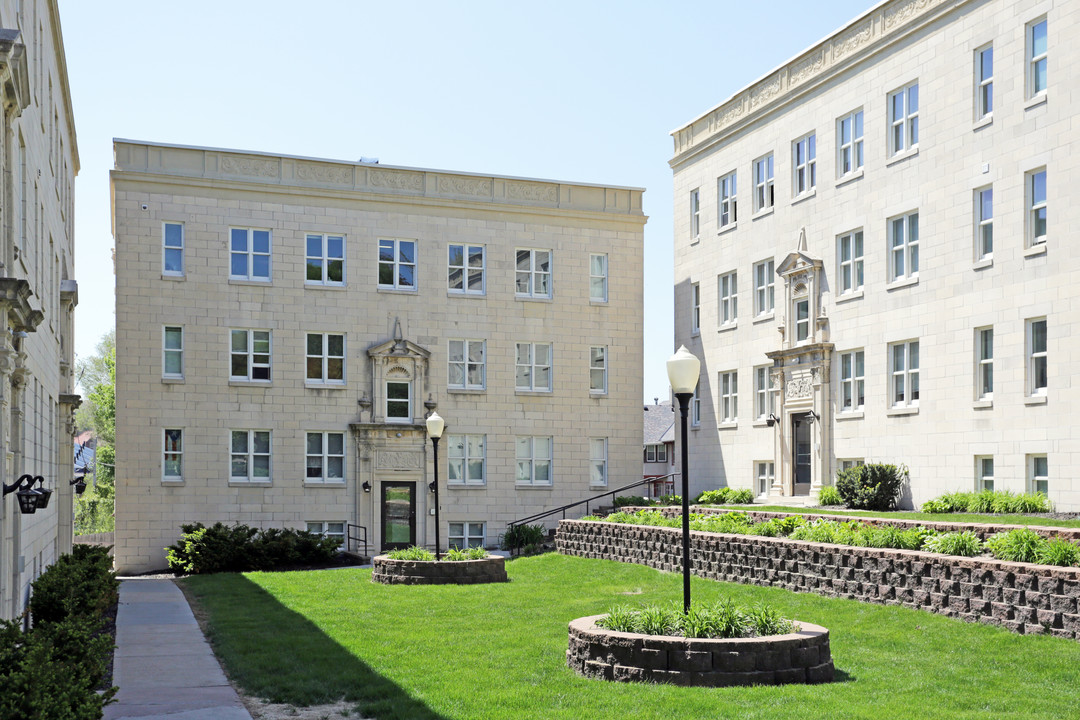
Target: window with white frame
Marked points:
984	82
764	287
172	349
398	401
598	285
804	164
1036	57
597	461
1036	356
250	355
984	223
598	370
466	459
984	363
249	456
533	366
533	276
984	473
325	457
849	143
802	318
904	374
904	119
695	308
330	529
904	247
656	453
766	398
727	201
326	358
397	264
462	535
249	254
466	364
466	269
763	183
728	291
765	475
850	251
848	463
729	396
852	381
533	456
324	260
1038	474
695	406
172	458
695	213
1036	197
172	249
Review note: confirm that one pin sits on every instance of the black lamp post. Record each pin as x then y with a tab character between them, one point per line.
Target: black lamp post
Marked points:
434	431
684	370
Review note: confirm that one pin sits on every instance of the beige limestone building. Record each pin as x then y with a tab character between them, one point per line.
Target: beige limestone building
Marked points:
873	256
285	324
38	160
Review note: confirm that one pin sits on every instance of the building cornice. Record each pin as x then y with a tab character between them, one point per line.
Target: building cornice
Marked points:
885	24
65	87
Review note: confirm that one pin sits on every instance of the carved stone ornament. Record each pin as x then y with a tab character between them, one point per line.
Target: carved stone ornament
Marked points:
765	92
776	378
243	165
396	180
799	388
853	39
465	186
904	11
319	172
725	116
806	67
398	371
532	191
399	460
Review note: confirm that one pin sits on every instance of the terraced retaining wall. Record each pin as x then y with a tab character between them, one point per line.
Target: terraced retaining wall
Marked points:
1022	597
429	572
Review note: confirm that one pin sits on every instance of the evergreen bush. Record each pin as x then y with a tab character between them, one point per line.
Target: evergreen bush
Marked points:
874	486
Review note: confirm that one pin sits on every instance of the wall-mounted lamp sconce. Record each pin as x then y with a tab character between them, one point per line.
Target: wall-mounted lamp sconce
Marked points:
79	484
29	499
772	419
812	417
366	486
431	487
43	493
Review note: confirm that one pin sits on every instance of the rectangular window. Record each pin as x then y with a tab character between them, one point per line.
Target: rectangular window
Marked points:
1036	197
729	298
729	396
467	364
250	355
325	259
598	370
533	367
695	406
533	460
466	460
984	82
597	461
173	352
1036	54
727	201
465	269
656	453
802	320
765	397
904	366
804	164
852	381
695	308
764	284
1038	474
398	402
849	143
984	223
904	119
598	278
904	247
533	273
325	457
850	463
172	459
172	249
249	253
397	264
326	358
250	456
695	213
984	473
984	363
850	251
765	475
763	183
462	535
334	530
1036	365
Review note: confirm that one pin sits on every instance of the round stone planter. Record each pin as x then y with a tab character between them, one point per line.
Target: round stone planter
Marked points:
429	572
798	657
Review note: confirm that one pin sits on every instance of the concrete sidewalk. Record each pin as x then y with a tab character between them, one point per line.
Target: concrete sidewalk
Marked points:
163	665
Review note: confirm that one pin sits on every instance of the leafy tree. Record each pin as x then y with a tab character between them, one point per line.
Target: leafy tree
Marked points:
97	375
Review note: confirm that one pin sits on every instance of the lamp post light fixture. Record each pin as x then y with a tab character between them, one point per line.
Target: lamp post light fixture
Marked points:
434	430
29	499
79	484
684	370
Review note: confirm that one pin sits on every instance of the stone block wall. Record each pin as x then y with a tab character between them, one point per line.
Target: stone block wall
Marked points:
429	572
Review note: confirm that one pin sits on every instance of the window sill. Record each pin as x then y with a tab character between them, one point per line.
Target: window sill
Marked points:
763	212
983	263
1035	400
519	391
466	391
315	385
533	298
812	192
173	277
984	121
727	327
1036	101
695	333
466	486
902	283
598	394
470	295
902	156
1036	250
594	302
851	415
900	411
759	423
172	381
850	177
251	383
173	483
727	228
695	240
340	484
324	286
982	403
250	483
764	317
521	486
695	427
848	296
395	290
246	281
728	425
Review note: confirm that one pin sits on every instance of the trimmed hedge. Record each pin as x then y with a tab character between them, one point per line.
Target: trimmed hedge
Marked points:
239	548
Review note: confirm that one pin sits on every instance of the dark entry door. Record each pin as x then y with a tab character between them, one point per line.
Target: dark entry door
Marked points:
801	454
398	515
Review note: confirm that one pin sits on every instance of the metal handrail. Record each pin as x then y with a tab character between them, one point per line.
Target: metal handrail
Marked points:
353	540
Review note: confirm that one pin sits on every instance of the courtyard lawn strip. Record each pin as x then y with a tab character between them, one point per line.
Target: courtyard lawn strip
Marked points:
987	519
498	651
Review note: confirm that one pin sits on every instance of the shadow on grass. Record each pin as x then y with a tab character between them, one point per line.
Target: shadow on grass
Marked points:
255	636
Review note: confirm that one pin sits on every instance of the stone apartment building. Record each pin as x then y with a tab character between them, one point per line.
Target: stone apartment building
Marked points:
285	324
872	256
38	162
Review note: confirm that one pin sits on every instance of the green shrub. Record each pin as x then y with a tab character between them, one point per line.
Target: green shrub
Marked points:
726	496
669	500
458	555
767	621
875	486
519	537
999	502
1059	551
1020	545
239	548
722	619
81	583
411	553
829	495
965	544
624	500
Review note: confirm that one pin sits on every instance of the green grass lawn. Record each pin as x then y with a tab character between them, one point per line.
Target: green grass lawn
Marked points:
498	651
909	515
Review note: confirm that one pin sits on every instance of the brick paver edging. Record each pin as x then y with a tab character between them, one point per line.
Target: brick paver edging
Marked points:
1022	597
798	657
429	572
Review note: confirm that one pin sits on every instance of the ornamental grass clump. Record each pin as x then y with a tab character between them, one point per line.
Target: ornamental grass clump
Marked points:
1059	551
726	496
829	495
459	555
995	502
1020	545
411	553
721	619
964	544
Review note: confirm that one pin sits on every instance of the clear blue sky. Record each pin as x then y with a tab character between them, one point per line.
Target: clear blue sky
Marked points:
577	91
